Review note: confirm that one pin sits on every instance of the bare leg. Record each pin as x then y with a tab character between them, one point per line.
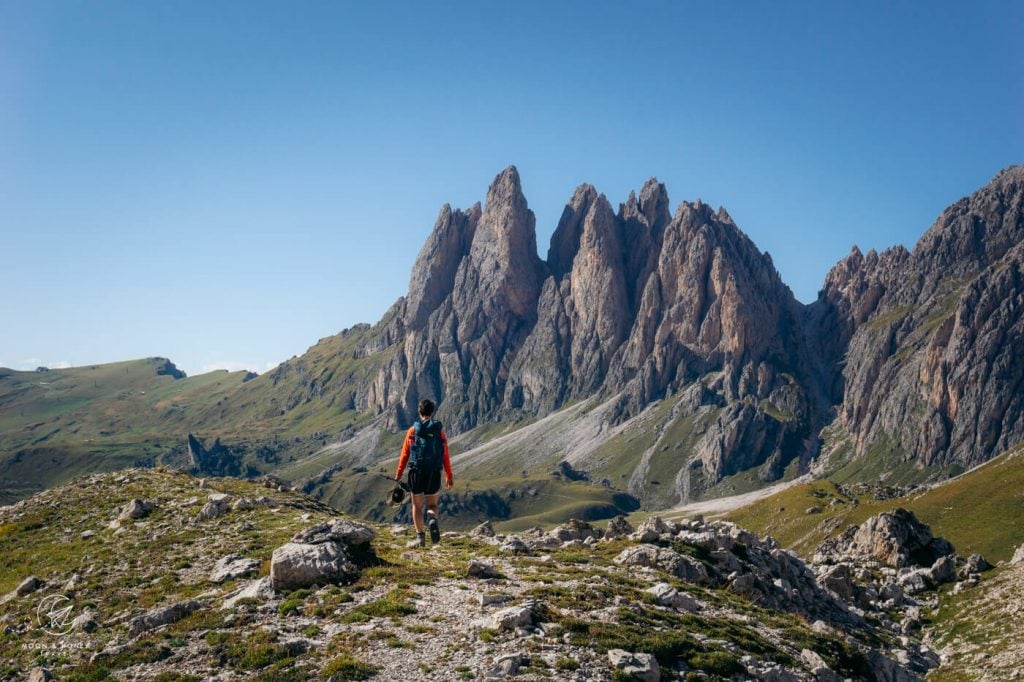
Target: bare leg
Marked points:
432	504
417	511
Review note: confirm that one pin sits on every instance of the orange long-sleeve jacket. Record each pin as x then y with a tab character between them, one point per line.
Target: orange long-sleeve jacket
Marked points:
404	459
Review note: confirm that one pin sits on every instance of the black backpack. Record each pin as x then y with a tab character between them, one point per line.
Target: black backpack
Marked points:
427	451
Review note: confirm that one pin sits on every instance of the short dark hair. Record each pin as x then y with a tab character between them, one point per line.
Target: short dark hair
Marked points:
426	407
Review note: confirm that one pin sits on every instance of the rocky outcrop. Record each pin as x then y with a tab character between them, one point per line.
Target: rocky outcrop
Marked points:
895	539
217	460
459	342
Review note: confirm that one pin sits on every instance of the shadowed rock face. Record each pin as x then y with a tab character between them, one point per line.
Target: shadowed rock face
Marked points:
916	348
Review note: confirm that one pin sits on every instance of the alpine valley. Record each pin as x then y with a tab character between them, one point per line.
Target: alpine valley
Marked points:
652	359
666	468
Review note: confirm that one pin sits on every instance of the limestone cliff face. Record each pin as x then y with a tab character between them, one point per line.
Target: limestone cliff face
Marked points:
637	304
583	313
715	311
918	349
927	340
472	302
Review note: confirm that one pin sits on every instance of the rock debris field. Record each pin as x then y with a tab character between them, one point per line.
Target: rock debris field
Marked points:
164	576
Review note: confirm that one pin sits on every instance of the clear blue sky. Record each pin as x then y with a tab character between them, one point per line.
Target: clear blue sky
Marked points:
225	183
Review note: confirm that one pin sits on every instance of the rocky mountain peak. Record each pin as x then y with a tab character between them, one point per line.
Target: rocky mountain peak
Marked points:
433	274
975	232
503	264
565	241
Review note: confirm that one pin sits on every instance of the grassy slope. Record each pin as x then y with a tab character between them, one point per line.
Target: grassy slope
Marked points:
980	511
64	423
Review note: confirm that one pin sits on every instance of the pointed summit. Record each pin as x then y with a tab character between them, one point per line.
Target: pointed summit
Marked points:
566	239
433	275
503	260
505	189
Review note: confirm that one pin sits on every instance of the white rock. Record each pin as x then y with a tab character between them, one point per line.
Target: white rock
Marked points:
257	589
666	595
507	620
232	566
637	666
295	564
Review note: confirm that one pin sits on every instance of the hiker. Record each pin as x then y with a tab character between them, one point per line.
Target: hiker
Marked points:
426	452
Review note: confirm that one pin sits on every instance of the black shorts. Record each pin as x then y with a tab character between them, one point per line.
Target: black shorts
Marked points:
425	482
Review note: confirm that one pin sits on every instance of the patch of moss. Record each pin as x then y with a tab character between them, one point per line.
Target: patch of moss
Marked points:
346	667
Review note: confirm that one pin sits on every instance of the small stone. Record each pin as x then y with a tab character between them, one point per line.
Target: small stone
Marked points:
514	545
666	595
650	530
508	619
162	615
489	599
481	569
27	586
617	528
484	530
505	666
244	503
86	534
232	566
341	530
84	623
636	666
136	509
257	589
39	675
943	571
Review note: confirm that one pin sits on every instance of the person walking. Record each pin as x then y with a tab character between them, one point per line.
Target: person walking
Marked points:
425	453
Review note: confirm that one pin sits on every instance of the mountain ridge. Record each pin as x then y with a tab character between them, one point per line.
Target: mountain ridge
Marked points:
674	327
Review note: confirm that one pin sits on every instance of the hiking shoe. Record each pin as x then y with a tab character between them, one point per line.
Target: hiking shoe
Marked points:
435	532
421	539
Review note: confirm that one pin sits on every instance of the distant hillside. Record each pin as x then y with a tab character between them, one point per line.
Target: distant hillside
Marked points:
981	511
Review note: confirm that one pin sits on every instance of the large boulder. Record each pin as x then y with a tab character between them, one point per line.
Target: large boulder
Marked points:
320	555
295	565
